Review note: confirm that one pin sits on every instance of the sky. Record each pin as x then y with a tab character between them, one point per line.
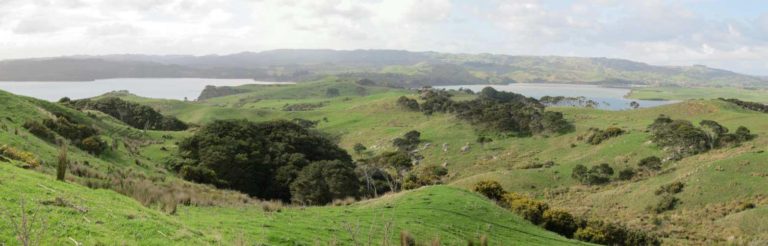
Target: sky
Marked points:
724	34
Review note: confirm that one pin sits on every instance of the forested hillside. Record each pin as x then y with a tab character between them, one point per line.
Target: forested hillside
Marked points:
386	67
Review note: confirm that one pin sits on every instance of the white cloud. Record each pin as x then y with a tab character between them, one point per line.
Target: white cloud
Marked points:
655	31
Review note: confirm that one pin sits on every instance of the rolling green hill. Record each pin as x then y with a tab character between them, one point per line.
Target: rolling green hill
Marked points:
719	180
125	196
721	202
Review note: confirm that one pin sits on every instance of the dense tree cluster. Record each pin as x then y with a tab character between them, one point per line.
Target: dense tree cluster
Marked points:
759	107
562	222
498	110
682	138
134	114
269	160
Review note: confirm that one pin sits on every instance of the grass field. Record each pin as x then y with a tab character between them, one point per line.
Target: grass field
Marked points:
442	213
715	182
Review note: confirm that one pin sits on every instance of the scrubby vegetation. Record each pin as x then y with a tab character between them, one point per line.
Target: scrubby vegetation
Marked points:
596	175
19	155
596	136
408	103
134	114
755	106
303	106
489	189
81	135
562	222
397	153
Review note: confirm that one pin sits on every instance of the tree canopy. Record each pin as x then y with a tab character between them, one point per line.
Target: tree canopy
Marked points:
261	159
134	114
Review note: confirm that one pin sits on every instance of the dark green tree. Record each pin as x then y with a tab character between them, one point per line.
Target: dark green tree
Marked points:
323	181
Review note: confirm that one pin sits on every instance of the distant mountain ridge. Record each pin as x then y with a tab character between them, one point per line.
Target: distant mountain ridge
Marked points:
392	67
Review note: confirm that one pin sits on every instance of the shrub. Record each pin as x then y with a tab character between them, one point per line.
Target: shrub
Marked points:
40	131
198	174
359	148
272	206
599	174
93	145
429	175
670	189
490	189
510	197
559	221
626	173
19	155
408	142
651	163
408	103
589	234
83	136
63	163
744	206
613	234
529	209
398	160
303	106
597	136
666	203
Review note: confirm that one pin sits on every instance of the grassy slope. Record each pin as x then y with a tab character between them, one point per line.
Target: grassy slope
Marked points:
110	219
712	179
115	219
450	214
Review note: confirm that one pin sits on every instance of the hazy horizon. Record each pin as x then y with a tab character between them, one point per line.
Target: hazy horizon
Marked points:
729	35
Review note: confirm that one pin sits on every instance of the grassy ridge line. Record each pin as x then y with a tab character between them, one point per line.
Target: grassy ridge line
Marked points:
450	214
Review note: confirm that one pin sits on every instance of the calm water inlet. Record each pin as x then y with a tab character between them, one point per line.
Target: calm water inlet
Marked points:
607	98
153	88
